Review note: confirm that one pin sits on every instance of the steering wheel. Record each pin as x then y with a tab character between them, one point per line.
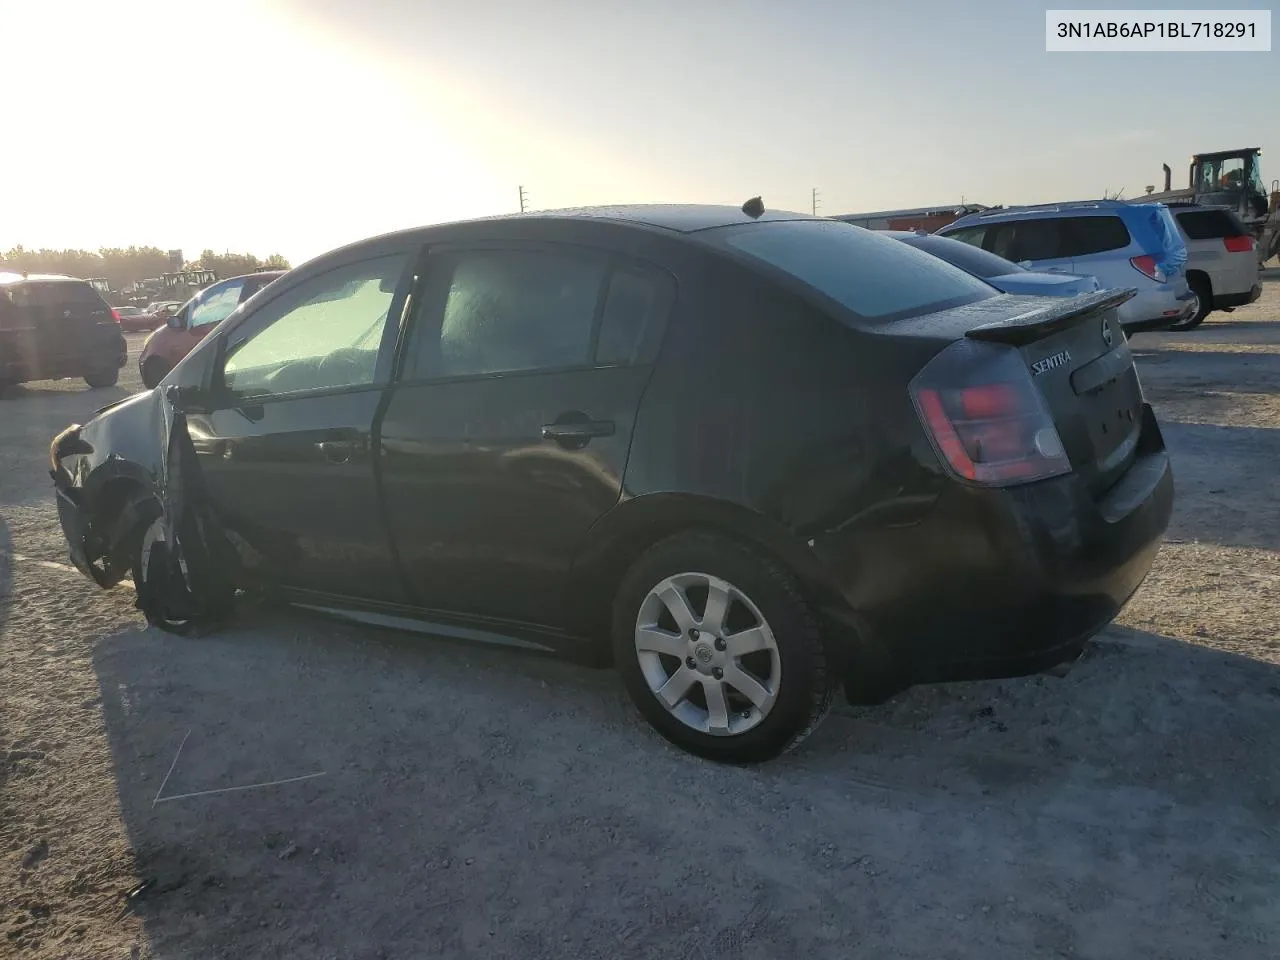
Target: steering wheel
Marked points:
344	367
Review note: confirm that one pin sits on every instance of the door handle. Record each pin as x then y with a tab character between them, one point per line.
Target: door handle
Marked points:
336	451
577	432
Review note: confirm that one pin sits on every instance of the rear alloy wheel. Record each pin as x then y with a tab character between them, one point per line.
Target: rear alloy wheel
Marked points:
1204	303
103	378
719	651
153	371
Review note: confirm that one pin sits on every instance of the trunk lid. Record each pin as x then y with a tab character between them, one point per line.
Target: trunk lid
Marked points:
1077	357
1080	360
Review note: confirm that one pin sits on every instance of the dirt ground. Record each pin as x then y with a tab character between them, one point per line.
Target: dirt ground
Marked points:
447	800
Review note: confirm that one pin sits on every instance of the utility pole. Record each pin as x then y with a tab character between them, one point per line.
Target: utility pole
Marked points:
523	198
814	201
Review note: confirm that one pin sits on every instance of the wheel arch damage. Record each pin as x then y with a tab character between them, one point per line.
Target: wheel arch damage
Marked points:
130	467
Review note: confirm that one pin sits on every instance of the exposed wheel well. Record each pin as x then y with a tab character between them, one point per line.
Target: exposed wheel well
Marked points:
116	517
1203	278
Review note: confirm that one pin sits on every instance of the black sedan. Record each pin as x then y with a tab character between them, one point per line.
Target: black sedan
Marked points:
750	456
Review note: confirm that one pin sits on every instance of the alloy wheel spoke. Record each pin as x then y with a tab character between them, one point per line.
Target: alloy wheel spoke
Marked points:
678	686
677	604
717	607
717	705
747	685
653	639
751	640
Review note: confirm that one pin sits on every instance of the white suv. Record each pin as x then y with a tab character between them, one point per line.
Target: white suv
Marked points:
1222	262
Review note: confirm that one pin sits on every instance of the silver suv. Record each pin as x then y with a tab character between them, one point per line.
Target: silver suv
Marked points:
1124	245
1222	260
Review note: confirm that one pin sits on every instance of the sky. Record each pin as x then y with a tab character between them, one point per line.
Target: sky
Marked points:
295	126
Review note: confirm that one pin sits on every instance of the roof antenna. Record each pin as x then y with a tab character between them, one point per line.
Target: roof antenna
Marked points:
754	208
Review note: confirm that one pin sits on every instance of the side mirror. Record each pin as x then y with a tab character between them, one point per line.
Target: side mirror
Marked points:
177	321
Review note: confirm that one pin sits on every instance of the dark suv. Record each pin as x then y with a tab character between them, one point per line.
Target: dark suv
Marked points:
54	326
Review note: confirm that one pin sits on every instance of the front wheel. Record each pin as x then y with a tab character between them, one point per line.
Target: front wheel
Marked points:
102	378
153	371
719	651
162	578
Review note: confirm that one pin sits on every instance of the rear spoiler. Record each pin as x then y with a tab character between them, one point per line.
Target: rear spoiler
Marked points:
1032	326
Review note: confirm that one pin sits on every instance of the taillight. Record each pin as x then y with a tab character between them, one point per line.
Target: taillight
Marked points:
115	315
1238	244
1146	265
985	416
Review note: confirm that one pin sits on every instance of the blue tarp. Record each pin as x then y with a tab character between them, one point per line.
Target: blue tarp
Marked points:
1162	234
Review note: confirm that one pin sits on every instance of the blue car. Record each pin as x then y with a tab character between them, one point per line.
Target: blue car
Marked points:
1005	275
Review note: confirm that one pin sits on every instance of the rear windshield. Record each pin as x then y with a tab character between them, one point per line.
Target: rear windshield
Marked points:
875	277
54	293
1210	224
966	256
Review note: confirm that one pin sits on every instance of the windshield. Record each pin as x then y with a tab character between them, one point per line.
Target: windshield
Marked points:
971	259
873	276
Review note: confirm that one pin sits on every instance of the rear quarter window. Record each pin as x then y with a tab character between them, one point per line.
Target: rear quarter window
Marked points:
56	293
1209	224
876	278
1083	236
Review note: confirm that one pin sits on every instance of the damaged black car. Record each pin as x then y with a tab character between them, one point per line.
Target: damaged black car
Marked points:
751	458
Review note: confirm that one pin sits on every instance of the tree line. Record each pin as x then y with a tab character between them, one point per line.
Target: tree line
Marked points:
123	266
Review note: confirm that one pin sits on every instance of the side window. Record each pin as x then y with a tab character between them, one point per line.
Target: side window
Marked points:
970	235
509	310
635	309
325	333
215	304
1087	235
1019	240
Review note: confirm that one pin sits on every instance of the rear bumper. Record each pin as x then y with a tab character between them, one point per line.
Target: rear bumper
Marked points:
998	583
1237	299
29	364
1156	307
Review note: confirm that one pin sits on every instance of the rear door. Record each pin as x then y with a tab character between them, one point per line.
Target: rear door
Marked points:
1097	245
1042	243
508	436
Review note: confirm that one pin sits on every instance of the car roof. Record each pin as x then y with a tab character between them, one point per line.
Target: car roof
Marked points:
9	277
676	217
1052	210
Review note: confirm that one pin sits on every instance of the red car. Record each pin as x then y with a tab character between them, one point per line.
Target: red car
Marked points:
133	319
194	320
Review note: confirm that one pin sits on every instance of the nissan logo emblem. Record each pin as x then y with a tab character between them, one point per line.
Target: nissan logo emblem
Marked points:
1106	333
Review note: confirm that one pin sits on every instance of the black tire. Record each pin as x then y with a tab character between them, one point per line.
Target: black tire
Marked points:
1200	286
153	371
163	595
805	686
103	378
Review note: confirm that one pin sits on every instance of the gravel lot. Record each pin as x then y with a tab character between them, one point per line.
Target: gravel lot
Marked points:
463	801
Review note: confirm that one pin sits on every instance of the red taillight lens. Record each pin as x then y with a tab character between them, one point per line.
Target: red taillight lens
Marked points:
1238	244
115	315
986	417
1146	265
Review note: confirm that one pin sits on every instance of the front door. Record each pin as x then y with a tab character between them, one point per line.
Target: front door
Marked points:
508	435
288	455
